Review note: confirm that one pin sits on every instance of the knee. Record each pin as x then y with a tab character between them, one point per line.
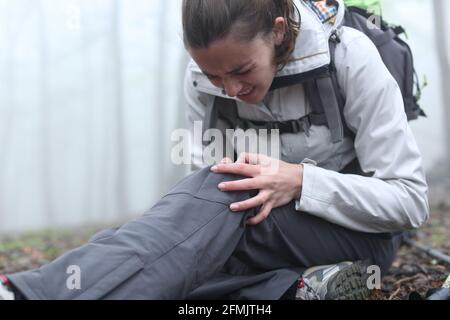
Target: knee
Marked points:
103	234
204	184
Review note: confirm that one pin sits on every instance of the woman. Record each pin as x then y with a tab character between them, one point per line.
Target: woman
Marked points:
260	236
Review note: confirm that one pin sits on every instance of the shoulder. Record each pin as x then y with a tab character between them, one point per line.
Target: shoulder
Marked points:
356	56
354	42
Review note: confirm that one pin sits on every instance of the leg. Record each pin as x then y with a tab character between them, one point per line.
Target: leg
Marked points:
271	255
186	239
300	239
183	240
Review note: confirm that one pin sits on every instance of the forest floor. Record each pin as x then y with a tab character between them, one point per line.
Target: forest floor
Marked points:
415	271
412	270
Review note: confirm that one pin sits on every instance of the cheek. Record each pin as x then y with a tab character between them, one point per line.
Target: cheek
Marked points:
257	79
264	79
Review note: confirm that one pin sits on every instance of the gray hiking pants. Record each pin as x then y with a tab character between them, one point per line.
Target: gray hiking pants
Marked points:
191	246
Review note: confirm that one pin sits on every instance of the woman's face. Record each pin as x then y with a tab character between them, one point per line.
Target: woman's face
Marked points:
243	69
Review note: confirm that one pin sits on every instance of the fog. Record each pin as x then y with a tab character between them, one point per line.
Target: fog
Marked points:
91	90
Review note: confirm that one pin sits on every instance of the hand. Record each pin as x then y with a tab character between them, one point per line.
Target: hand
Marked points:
278	183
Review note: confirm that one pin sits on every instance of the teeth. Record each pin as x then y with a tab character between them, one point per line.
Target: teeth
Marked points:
246	92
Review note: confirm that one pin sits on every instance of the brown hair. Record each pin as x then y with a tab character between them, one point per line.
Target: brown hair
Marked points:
205	21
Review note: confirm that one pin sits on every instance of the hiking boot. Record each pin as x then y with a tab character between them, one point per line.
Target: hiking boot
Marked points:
5	291
342	281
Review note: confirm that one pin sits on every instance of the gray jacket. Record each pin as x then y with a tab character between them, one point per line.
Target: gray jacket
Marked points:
394	198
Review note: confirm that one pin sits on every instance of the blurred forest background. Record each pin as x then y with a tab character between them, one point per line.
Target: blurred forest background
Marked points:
90	92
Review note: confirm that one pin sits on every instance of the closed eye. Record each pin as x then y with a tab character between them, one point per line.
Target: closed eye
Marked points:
244	72
211	77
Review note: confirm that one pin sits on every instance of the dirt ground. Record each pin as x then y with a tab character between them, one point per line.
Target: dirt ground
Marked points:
411	271
414	270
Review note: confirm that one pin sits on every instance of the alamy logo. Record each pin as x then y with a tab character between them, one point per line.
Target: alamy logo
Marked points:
374	280
73	282
262	141
374	21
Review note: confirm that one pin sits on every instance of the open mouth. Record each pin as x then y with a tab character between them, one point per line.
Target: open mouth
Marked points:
246	93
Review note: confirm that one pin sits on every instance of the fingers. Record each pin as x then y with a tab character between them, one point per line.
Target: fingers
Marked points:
241	169
247	164
241	158
249	204
253	158
262	215
226	161
241	185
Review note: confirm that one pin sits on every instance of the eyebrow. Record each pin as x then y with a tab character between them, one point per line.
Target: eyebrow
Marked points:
235	70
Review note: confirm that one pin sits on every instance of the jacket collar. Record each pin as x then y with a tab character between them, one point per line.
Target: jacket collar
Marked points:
312	49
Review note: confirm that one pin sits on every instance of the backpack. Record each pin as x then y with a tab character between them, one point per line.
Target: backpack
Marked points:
368	5
323	91
396	55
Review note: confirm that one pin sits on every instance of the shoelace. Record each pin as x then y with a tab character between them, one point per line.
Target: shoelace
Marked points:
5	281
305	291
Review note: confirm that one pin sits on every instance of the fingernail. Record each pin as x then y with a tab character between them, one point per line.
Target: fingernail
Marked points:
214	168
222	186
234	207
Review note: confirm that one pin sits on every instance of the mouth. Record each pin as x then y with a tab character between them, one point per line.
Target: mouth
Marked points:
246	93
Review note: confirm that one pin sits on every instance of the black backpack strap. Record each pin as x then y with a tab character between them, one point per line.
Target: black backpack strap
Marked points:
226	110
210	120
330	105
326	96
290	80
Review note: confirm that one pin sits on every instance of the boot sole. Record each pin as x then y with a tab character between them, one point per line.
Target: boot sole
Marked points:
349	284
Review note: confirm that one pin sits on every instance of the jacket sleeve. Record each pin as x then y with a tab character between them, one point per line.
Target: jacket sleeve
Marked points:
394	198
197	103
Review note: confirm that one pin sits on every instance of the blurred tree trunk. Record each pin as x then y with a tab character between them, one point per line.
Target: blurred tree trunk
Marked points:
45	152
119	130
181	107
89	85
159	119
6	120
442	36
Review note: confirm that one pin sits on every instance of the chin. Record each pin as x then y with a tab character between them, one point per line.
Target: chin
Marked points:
251	101
253	98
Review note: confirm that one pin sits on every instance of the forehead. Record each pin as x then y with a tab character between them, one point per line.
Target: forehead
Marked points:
226	55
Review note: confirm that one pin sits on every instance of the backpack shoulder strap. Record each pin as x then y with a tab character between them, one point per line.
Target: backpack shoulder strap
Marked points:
326	96
225	110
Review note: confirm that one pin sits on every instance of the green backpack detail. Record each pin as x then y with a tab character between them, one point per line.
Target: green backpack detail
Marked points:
368	5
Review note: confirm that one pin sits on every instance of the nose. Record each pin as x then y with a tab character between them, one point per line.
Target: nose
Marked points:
232	87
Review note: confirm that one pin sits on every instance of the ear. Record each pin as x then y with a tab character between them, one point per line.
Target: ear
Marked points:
279	30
